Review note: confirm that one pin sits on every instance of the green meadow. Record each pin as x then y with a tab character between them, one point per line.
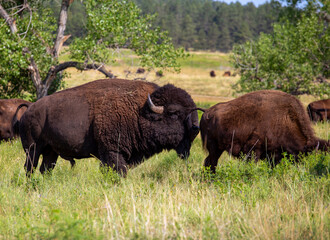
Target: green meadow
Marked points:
166	197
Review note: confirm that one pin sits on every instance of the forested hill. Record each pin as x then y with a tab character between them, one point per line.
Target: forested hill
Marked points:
195	24
212	25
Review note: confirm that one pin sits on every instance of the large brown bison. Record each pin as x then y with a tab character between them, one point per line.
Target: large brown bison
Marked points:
265	123
319	110
115	120
7	112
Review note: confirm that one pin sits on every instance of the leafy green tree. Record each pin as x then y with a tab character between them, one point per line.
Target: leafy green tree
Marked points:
31	41
188	32
294	59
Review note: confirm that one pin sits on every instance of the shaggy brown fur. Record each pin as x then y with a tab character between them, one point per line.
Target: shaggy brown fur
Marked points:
7	112
264	122
109	119
319	110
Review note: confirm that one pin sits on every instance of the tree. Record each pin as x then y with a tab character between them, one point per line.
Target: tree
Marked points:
31	42
188	32
294	59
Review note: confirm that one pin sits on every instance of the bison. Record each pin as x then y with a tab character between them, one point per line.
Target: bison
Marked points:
120	122
227	74
212	74
7	112
319	110
265	123
140	70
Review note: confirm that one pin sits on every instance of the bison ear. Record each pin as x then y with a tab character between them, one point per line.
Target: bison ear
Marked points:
155	109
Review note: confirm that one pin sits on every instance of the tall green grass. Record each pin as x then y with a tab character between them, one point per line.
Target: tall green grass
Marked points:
166	198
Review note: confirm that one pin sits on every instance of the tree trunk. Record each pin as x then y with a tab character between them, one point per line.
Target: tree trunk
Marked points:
9	20
42	88
61	27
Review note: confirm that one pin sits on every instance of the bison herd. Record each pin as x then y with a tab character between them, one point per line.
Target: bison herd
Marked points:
123	122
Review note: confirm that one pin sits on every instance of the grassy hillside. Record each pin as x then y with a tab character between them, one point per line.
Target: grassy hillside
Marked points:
166	197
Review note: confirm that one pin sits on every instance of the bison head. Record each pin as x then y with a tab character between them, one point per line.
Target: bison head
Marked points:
174	121
314	114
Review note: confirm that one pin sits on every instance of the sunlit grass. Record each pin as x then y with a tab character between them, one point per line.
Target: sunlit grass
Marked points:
166	197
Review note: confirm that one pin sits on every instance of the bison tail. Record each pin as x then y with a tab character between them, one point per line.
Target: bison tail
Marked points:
197	108
15	121
203	131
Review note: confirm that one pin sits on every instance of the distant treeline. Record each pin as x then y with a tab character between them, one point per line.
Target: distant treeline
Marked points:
196	24
211	25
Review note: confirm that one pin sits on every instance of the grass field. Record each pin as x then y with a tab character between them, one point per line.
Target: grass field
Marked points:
166	197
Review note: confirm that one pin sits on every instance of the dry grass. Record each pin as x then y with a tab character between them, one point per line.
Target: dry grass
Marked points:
196	81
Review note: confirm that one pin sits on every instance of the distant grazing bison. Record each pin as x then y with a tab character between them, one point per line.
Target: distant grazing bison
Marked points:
227	74
140	70
114	120
212	74
319	110
264	122
7	112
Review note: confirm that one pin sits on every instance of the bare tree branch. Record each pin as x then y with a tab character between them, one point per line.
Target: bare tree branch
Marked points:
27	28
9	20
34	71
61	26
80	66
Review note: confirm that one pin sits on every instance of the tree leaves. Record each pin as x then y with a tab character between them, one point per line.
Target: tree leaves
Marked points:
291	59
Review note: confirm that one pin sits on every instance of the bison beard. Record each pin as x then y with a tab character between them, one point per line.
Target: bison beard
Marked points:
264	122
111	120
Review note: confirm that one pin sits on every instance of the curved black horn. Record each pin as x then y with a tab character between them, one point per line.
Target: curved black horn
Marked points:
155	109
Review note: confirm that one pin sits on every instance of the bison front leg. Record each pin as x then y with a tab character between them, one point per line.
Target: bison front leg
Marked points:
115	161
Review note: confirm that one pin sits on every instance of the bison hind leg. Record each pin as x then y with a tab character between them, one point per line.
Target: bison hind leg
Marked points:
49	160
211	161
32	158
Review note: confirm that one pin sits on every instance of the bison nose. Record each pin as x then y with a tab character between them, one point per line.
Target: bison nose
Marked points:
195	128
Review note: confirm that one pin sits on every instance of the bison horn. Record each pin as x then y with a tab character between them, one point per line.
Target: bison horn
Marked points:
155	109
